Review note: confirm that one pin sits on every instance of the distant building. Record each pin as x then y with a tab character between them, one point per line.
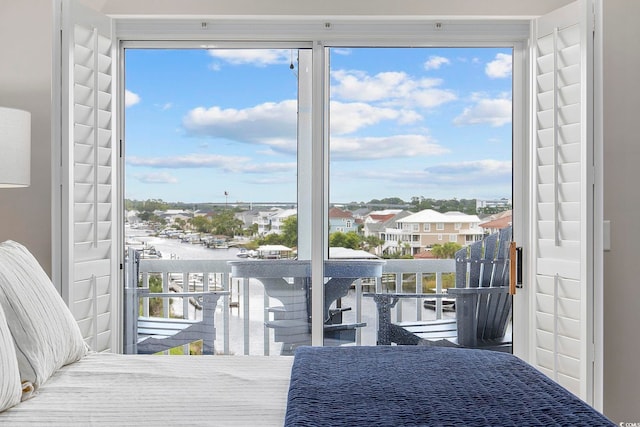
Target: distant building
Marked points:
497	222
342	221
247	217
264	220
383	224
503	203
360	213
420	231
277	220
171	215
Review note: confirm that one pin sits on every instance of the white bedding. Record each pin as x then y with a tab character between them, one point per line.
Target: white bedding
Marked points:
141	390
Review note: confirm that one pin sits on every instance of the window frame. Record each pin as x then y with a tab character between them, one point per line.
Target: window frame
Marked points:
321	35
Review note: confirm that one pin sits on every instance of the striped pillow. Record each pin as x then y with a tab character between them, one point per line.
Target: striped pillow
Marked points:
45	333
10	390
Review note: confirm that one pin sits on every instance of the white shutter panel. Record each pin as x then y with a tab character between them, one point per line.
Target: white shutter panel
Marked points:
563	192
88	162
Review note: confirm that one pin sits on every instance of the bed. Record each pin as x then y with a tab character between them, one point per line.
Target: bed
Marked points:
49	377
426	386
147	390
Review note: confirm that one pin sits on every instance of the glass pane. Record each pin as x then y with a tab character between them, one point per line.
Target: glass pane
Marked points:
211	177
420	166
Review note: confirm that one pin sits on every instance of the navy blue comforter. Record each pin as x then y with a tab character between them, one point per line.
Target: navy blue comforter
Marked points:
426	386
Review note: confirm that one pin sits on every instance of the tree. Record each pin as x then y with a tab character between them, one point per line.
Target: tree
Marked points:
448	250
148	205
225	223
180	223
372	242
288	237
290	231
251	230
467	206
201	224
271	239
350	240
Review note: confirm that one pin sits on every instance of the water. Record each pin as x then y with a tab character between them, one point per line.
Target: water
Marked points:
175	249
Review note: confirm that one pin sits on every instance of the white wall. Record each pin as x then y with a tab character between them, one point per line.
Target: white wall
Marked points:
621	207
329	7
25	82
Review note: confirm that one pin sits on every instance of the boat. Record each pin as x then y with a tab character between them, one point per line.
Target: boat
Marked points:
149	253
243	253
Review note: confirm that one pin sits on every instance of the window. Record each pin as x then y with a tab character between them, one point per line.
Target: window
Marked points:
458	226
354	170
453	237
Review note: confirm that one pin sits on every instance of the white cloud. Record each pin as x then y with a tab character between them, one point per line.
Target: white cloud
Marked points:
264	168
500	67
272	180
475	168
371	148
449	179
495	112
341	51
435	62
432	98
213	161
185	161
156	178
130	98
392	88
272	123
350	117
257	57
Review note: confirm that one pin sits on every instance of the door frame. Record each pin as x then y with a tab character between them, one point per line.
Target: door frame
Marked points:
378	31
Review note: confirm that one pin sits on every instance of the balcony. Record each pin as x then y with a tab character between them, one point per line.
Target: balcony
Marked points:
247	315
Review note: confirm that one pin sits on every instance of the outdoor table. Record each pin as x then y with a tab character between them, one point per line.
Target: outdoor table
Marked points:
289	281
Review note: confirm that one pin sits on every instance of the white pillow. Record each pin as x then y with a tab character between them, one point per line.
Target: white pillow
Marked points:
10	390
45	333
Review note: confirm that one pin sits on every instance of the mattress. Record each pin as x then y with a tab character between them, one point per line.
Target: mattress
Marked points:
148	390
426	386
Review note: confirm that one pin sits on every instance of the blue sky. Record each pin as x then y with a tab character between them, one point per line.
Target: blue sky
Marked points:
430	122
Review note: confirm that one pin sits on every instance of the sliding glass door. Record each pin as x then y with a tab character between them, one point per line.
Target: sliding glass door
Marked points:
302	156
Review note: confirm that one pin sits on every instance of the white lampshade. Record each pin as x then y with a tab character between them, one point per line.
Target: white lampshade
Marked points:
15	148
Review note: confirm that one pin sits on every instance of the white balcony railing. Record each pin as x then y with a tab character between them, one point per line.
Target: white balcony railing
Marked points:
243	315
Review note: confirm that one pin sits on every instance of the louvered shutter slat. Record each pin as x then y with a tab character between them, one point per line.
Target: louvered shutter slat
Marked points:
90	162
560	146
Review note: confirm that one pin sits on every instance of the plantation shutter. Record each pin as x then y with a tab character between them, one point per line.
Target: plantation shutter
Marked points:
563	190
88	161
